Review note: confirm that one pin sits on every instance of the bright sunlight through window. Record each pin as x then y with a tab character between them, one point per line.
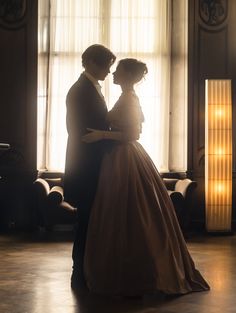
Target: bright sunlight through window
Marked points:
130	28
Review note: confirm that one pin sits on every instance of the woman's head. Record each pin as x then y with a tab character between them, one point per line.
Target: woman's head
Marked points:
129	70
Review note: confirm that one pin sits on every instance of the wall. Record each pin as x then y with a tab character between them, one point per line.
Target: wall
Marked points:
212	51
18	107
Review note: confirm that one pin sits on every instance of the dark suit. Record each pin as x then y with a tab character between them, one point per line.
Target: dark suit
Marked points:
85	109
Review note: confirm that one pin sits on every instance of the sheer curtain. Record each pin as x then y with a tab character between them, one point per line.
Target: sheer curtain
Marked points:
130	28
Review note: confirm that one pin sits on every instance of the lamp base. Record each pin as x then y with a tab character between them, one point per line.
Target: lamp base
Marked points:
220	233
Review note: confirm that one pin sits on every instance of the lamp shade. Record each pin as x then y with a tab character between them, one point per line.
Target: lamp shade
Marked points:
218	155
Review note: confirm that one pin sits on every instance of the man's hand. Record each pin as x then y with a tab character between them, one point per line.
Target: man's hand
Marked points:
93	136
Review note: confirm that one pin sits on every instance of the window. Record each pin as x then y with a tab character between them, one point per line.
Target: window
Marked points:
130	28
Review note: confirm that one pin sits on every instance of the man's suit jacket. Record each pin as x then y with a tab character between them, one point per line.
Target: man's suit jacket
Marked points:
85	109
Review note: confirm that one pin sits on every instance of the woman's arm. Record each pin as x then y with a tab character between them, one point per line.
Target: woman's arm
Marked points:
96	135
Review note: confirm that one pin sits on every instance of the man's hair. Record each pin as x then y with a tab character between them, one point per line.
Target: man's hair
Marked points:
99	54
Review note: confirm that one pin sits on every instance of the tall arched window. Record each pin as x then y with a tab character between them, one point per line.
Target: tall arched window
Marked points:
130	28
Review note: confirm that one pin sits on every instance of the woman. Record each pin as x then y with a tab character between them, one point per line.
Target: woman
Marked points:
134	243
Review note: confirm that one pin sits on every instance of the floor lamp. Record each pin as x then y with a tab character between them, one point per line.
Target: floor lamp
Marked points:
218	155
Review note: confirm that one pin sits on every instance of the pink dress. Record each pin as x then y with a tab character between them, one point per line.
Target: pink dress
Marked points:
134	243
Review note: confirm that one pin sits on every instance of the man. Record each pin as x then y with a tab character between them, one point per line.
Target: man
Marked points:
86	108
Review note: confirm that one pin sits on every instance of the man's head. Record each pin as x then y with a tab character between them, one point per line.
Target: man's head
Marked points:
97	60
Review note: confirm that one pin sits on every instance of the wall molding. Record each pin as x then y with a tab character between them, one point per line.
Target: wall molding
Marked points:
213	12
13	13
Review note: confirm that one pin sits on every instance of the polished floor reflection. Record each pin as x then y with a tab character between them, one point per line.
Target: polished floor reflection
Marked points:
35	278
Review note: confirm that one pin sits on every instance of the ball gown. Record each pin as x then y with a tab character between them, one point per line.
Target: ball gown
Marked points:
134	242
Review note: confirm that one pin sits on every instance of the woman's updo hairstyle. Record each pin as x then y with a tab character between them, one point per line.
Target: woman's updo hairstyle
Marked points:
137	68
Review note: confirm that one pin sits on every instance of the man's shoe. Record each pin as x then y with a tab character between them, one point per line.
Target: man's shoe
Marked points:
78	283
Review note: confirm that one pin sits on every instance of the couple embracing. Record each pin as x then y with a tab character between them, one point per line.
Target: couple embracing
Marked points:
127	240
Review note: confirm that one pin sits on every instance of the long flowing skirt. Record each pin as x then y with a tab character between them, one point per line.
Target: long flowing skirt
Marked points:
134	243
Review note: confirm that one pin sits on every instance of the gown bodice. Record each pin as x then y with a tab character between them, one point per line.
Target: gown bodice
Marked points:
126	113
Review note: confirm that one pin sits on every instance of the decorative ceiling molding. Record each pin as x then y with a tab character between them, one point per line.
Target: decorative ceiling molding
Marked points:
12	13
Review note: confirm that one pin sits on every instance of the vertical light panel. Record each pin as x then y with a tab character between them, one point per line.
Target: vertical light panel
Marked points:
218	155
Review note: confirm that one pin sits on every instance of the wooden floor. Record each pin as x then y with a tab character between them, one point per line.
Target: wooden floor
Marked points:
35	278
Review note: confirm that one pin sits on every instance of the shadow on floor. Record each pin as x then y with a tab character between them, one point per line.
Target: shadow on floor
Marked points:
91	303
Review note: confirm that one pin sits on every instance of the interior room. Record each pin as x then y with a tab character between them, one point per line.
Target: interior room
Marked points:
188	101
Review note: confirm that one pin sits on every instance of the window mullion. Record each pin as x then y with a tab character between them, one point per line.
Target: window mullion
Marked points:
105	20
